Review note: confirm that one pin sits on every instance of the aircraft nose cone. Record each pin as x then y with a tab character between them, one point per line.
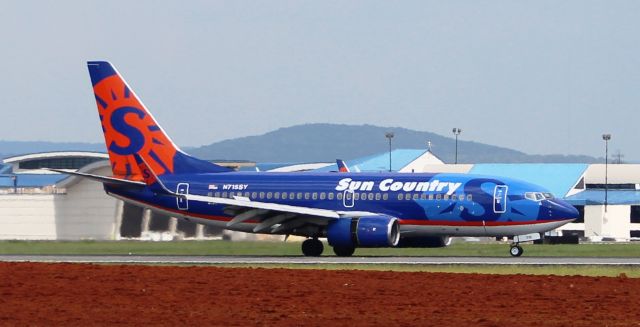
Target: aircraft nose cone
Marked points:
567	211
561	210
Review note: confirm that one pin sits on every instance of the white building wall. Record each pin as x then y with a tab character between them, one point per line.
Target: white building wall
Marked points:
615	223
85	212
27	217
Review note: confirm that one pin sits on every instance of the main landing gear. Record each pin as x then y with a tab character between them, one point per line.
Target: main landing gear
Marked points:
312	247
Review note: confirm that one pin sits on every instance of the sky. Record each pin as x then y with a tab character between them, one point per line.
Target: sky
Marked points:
541	77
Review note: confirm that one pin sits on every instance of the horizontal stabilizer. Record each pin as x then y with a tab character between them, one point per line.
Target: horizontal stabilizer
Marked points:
100	178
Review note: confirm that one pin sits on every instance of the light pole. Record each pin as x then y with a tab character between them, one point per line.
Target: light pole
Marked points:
606	138
389	135
456	132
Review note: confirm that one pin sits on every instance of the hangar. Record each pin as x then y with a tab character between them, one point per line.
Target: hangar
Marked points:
38	204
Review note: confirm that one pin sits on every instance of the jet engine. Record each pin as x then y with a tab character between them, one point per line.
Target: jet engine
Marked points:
366	231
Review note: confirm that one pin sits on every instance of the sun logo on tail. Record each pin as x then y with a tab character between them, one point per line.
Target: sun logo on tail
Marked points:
129	129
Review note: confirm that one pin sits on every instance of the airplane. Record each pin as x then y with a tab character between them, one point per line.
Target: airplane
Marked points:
342	166
350	210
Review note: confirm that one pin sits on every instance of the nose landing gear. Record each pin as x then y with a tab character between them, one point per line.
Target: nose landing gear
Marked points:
516	250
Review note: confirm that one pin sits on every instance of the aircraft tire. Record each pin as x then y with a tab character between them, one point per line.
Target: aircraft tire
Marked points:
312	247
516	251
343	251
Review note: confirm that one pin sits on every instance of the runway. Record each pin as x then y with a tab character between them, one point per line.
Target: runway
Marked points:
286	260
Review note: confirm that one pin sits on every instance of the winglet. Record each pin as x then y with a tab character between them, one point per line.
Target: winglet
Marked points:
342	166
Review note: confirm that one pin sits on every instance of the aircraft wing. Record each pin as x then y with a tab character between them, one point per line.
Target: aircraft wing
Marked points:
286	217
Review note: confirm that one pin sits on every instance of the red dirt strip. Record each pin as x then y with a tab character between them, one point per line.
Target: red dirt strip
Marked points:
84	294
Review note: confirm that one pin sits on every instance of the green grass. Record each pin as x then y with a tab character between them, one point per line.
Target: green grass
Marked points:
293	248
594	271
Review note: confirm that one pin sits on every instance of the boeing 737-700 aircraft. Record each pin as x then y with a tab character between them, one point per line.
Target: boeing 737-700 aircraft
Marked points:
349	209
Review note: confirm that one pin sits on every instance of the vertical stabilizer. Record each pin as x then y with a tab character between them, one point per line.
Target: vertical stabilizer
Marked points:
129	128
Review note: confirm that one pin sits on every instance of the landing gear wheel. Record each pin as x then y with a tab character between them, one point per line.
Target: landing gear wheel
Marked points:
343	251
516	250
312	247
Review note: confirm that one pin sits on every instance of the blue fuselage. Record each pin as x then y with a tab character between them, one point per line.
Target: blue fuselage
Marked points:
425	204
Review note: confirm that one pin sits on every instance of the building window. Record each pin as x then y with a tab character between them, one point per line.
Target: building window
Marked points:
635	214
58	163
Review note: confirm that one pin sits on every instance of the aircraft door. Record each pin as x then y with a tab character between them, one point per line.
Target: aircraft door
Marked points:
500	199
348	199
182	202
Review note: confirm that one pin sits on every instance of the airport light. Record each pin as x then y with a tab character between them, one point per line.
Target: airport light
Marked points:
389	135
456	132
606	138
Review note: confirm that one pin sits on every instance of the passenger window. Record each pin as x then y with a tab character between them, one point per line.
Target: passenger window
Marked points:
423	196
284	195
446	196
400	196
276	195
306	195
217	194
430	196
339	196
469	197
262	195
299	196
292	196
323	196
461	197
224	194
330	196
415	196
370	196
439	197
210	194
314	196
385	197
254	195
356	196
377	196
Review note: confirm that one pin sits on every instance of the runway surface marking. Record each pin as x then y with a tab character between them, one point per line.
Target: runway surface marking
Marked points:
174	259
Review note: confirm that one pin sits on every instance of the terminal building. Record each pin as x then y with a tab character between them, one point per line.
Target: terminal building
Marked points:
37	204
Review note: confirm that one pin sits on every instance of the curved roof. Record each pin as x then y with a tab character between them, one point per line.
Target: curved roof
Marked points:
55	154
557	178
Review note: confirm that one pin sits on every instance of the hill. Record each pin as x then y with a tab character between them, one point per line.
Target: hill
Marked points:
325	142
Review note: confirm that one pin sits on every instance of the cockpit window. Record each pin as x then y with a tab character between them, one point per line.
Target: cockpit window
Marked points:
538	196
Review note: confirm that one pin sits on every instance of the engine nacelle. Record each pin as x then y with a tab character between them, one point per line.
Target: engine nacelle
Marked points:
367	231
